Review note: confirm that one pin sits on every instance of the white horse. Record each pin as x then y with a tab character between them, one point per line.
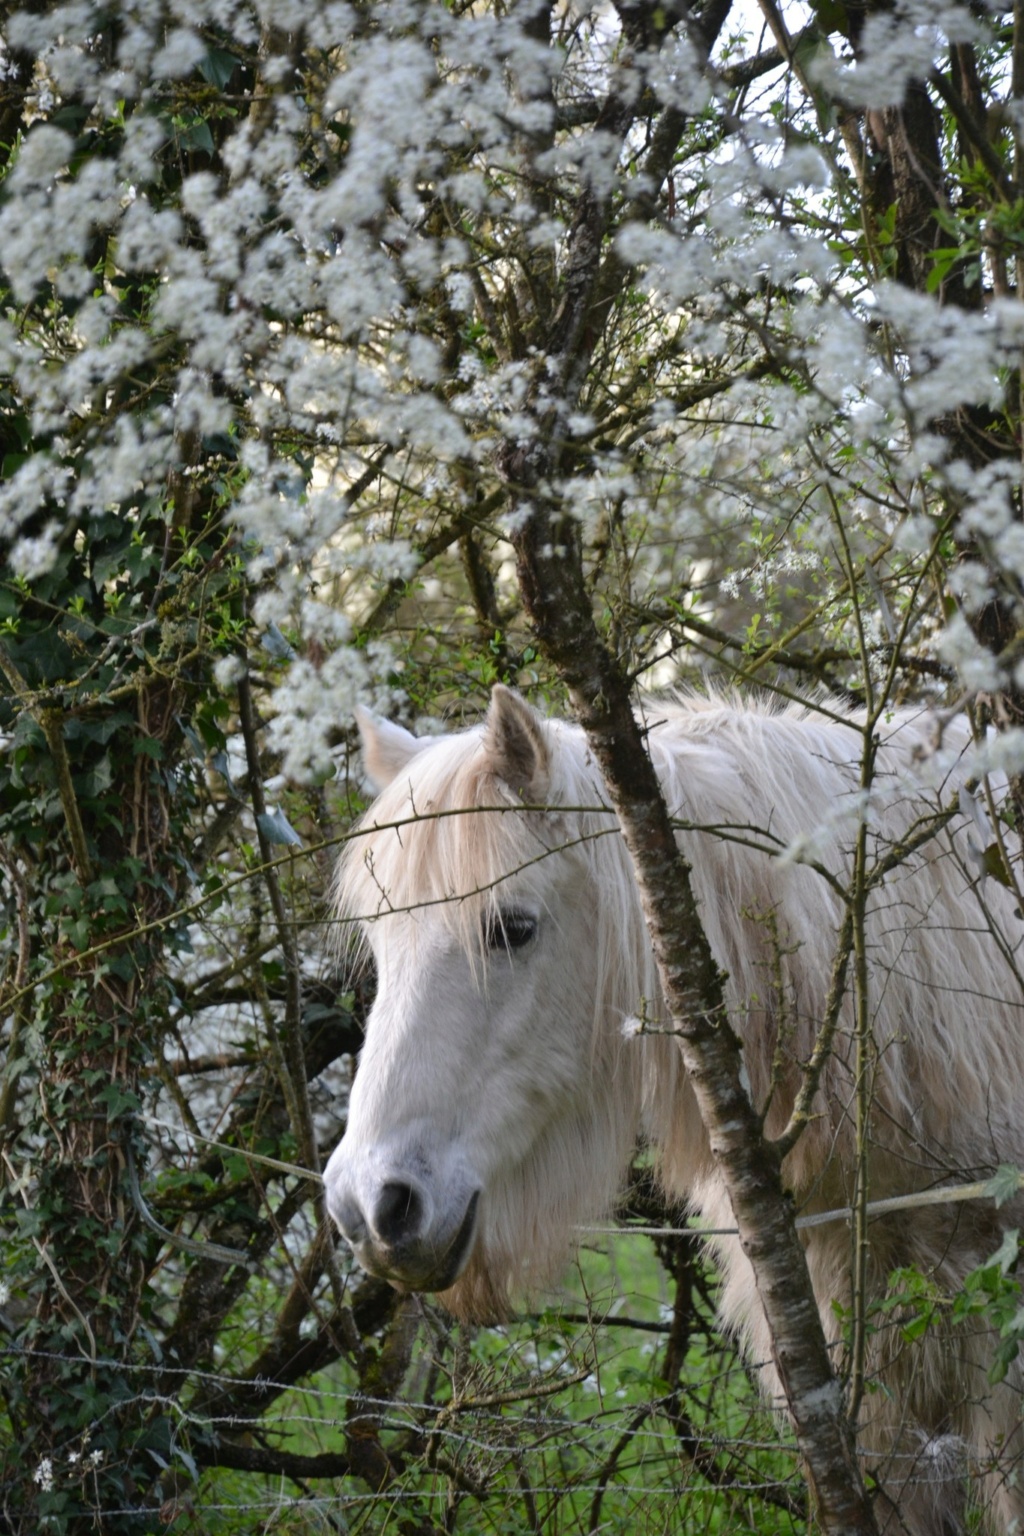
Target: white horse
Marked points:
518	1045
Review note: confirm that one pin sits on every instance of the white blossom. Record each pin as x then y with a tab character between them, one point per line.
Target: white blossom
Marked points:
31	557
958	646
180	54
228	670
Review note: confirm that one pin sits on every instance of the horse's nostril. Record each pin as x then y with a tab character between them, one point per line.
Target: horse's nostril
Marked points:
397	1213
350	1219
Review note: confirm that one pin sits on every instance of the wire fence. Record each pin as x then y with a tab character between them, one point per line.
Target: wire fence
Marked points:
618	1409
548	1424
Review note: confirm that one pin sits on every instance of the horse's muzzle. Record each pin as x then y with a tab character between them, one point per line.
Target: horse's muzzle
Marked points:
399	1231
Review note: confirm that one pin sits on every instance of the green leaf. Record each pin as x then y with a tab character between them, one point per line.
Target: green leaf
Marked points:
99	778
275	644
1005	1355
995	865
84	728
197	135
28	732
1006	1254
221	763
1004	1184
193	740
919	1325
42	657
187	1462
218	67
106	567
943	260
117	1100
276	828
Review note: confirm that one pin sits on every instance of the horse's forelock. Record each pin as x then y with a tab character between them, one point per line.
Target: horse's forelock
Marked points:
413	849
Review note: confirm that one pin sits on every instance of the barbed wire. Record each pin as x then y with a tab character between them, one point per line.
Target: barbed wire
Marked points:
395	1414
667	1461
342	1396
419	1495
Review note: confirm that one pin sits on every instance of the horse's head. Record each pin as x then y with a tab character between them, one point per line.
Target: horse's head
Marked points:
494	1105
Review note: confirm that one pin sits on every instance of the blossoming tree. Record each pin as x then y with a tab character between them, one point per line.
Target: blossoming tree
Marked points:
371	353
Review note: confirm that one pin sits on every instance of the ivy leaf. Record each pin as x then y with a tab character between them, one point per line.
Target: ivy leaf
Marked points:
219	762
276	828
193	740
198	136
275	644
218	67
98	778
117	1100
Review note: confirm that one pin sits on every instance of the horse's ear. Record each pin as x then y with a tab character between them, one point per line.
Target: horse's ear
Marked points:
387	748
516	745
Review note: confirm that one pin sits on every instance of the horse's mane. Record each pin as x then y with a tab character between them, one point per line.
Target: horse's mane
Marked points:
447	832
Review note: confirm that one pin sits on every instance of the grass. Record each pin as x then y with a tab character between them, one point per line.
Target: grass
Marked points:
561	1423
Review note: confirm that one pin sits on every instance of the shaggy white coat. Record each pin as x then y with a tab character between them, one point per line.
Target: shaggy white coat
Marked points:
561	1103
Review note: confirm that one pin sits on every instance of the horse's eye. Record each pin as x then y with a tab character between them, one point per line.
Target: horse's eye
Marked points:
509	930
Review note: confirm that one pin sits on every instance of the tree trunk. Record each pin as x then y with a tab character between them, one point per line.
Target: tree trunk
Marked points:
554	591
